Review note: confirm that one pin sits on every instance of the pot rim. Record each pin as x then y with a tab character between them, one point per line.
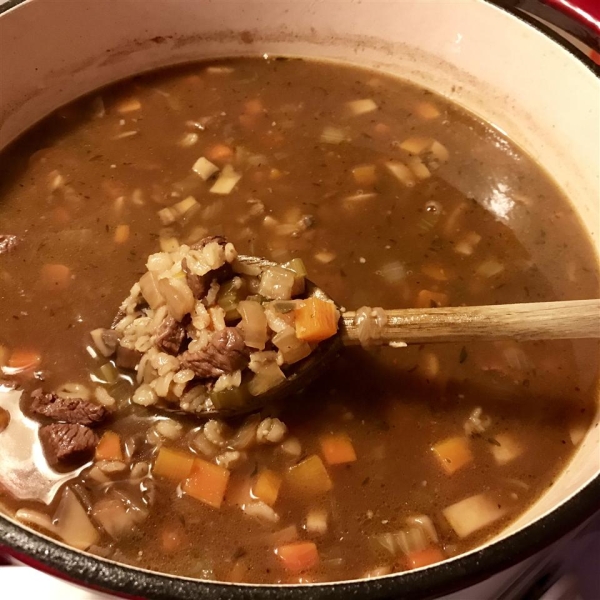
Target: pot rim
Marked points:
449	576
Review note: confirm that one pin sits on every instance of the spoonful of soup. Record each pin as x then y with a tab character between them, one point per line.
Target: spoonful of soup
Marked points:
208	331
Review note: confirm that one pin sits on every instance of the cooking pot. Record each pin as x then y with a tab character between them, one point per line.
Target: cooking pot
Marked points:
505	68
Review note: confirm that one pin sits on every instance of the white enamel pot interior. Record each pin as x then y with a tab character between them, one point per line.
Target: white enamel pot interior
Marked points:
474	53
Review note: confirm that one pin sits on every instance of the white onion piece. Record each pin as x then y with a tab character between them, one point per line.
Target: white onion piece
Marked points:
226	182
149	290
402	173
276	283
254	324
361	107
508	449
204	168
472	514
180	299
73	524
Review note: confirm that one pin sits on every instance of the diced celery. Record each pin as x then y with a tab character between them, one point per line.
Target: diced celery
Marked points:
233	397
296	265
107	373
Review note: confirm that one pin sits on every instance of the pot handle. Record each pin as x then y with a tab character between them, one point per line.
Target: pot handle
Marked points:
585	12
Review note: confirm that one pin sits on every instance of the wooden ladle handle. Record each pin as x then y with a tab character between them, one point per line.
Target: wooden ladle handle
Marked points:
528	321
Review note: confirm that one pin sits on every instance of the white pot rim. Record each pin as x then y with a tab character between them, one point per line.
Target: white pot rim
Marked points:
451	575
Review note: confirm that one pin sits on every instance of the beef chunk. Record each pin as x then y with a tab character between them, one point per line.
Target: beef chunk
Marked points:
197	283
68	410
8	243
225	353
127	358
67	442
170	336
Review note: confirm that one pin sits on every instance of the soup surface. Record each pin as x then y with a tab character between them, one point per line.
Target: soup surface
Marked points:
392	197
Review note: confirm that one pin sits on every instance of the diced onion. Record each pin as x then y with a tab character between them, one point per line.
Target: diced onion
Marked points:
507	449
417	166
254	324
416	145
204	168
472	514
427	110
268	377
276	283
73	524
226	182
150	291
291	348
393	272
333	135
402	173
439	151
490	268
178	296
361	107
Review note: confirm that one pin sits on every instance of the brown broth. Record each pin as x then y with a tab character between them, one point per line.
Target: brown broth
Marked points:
393	404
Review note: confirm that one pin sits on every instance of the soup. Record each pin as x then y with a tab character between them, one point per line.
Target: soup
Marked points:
386	195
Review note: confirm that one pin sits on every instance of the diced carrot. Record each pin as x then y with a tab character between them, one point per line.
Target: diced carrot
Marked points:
423	558
121	234
364	174
429	299
316	320
128	105
55	277
61	215
193	79
207	482
453	453
427	110
172	538
109	447
266	487
24	360
436	272
309	477
381	129
298	556
173	464
253	107
247	121
337	449
219	152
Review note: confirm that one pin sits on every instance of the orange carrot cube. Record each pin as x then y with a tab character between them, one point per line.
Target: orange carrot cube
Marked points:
109	447
266	487
55	277
24	360
428	299
453	454
316	320
207	482
219	152
298	556
424	558
337	449
173	464
121	234
309	477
